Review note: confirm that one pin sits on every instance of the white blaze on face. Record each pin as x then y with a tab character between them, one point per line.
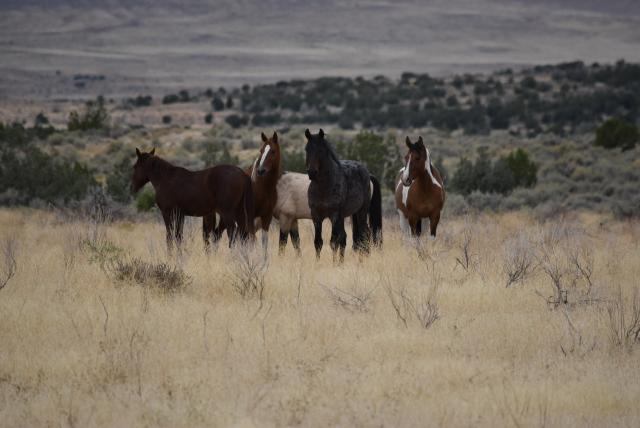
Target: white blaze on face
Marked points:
264	155
405	173
254	170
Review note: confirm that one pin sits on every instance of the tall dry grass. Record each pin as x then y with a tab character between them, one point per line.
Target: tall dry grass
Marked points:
100	327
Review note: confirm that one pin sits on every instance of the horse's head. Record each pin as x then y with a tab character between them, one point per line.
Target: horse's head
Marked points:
416	159
142	169
318	153
269	157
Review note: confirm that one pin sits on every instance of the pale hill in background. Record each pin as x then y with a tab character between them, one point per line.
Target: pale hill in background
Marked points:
144	46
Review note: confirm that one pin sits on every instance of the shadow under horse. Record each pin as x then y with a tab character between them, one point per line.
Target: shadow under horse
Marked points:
224	190
339	189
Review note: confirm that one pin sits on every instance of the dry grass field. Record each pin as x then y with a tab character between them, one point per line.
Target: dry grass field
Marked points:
96	331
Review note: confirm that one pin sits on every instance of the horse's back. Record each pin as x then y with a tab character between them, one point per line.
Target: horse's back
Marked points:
227	183
357	178
293	199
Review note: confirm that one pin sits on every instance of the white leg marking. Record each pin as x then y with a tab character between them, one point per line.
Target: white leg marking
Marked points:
404	223
264	155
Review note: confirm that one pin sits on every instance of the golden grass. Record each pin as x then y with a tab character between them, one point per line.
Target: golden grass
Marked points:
324	346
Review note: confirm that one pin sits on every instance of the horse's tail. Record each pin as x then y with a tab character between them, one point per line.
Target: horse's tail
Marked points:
248	207
375	212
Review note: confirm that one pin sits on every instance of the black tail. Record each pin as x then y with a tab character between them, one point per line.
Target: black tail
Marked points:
375	212
248	208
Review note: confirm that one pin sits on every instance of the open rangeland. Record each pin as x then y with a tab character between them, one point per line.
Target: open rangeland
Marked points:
96	330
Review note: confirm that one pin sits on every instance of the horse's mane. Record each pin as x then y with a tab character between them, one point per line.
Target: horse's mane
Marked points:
160	164
332	151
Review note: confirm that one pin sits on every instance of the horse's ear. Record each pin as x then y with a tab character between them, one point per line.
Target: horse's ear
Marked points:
153	151
420	140
264	137
138	152
307	134
275	137
408	142
321	133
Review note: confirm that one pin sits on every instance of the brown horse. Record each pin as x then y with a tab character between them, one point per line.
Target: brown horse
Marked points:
420	190
223	189
265	173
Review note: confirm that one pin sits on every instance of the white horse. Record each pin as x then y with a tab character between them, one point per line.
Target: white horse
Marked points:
292	204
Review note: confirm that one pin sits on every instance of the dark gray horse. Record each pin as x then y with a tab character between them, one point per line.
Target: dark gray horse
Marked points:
339	189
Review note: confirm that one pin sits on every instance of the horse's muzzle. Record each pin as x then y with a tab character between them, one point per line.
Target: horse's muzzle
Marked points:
261	171
313	174
406	183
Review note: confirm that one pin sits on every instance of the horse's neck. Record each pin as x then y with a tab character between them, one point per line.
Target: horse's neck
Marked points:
160	172
332	173
266	184
425	180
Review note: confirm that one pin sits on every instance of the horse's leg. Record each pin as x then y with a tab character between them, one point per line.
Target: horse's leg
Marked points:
355	232
413	224
167	216
419	227
295	237
265	223
338	236
317	241
364	229
404	223
232	232
285	227
179	217
208	224
218	231
434	220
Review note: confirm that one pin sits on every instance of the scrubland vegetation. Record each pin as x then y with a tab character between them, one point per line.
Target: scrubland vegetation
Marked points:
503	320
525	311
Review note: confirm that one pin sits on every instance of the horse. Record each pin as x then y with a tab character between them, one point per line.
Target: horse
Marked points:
420	190
339	189
223	189
265	173
292	204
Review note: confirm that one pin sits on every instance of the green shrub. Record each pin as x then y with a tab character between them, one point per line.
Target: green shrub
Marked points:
236	121
27	173
501	176
208	118
170	99
217	154
146	199
217	104
294	161
382	158
95	116
119	181
166	119
524	170
615	133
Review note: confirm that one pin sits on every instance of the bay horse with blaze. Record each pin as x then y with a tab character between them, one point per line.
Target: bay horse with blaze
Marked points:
420	190
223	189
265	173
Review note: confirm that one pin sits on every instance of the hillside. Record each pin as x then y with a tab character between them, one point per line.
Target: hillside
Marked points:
549	111
156	46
